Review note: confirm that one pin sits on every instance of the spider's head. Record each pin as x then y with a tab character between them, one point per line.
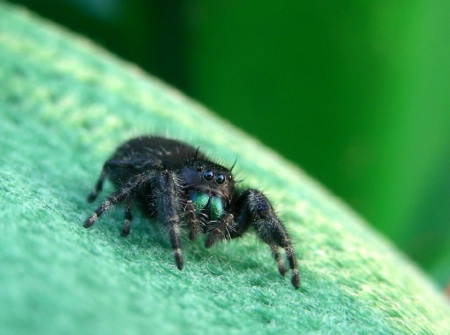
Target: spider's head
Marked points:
210	178
209	185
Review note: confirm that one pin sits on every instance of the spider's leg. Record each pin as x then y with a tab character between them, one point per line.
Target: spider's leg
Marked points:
221	229
253	209
276	256
169	211
116	197
120	164
98	186
193	223
128	218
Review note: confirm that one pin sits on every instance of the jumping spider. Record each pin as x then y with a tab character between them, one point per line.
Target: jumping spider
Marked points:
176	183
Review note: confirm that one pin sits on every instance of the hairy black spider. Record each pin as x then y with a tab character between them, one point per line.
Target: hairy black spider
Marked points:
176	183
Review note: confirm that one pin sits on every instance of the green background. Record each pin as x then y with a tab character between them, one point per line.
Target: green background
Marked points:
64	105
355	92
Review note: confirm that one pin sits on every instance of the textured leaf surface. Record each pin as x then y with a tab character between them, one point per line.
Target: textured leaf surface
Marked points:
64	106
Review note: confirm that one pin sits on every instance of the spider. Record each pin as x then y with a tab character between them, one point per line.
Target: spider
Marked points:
177	184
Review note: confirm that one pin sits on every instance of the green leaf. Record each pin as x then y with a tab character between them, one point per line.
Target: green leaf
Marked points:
65	105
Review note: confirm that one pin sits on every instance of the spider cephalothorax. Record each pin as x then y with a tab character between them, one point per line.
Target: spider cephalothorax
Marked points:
176	183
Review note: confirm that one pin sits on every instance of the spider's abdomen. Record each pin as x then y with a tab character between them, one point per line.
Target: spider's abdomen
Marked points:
171	154
145	154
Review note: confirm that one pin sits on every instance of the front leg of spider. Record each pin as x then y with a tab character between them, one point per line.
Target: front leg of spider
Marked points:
193	225
253	209
168	210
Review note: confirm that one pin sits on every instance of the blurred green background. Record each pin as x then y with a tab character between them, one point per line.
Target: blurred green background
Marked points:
357	93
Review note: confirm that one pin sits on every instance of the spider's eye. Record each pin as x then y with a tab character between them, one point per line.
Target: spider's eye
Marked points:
230	177
199	168
220	179
208	175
